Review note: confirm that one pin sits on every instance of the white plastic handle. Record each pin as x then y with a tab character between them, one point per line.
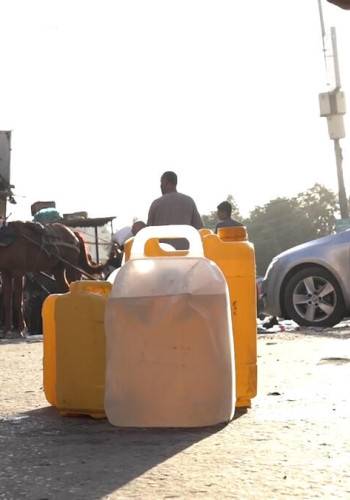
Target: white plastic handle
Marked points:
171	231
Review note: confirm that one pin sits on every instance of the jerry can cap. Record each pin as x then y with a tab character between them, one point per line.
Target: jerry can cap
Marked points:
235	233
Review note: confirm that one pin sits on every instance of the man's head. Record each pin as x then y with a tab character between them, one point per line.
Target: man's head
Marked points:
168	182
224	210
137	226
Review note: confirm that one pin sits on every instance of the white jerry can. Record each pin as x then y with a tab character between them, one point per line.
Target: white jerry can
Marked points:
169	341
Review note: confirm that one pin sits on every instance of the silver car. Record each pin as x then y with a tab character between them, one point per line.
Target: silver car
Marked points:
310	283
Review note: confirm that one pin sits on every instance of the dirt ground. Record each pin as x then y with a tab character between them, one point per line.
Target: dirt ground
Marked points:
293	443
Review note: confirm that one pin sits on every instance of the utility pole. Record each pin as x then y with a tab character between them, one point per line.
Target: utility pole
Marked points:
333	107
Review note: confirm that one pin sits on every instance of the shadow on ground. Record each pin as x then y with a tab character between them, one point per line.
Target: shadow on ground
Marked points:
45	456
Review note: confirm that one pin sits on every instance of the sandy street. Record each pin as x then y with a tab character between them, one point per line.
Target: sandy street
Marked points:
293	443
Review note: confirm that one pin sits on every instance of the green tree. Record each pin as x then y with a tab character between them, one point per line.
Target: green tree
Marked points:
275	227
321	207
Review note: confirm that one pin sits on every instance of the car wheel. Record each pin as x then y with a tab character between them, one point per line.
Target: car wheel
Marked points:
313	298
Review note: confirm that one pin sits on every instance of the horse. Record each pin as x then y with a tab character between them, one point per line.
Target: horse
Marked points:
32	247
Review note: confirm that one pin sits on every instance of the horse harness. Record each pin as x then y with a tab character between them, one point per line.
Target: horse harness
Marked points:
50	239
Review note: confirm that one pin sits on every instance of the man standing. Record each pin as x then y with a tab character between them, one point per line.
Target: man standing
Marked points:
173	208
224	216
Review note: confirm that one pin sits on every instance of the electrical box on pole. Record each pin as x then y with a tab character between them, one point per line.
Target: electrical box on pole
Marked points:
333	107
331	103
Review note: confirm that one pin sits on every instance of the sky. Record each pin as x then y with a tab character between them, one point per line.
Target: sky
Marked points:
104	96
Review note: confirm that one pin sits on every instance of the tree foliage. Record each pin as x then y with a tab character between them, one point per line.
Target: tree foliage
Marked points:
275	227
321	207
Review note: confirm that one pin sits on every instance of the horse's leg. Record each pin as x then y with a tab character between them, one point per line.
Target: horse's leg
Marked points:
18	301
7	299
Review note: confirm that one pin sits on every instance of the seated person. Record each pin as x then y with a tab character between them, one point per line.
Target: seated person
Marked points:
224	215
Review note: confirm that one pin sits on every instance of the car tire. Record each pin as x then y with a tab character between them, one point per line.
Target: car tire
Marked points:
313	298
